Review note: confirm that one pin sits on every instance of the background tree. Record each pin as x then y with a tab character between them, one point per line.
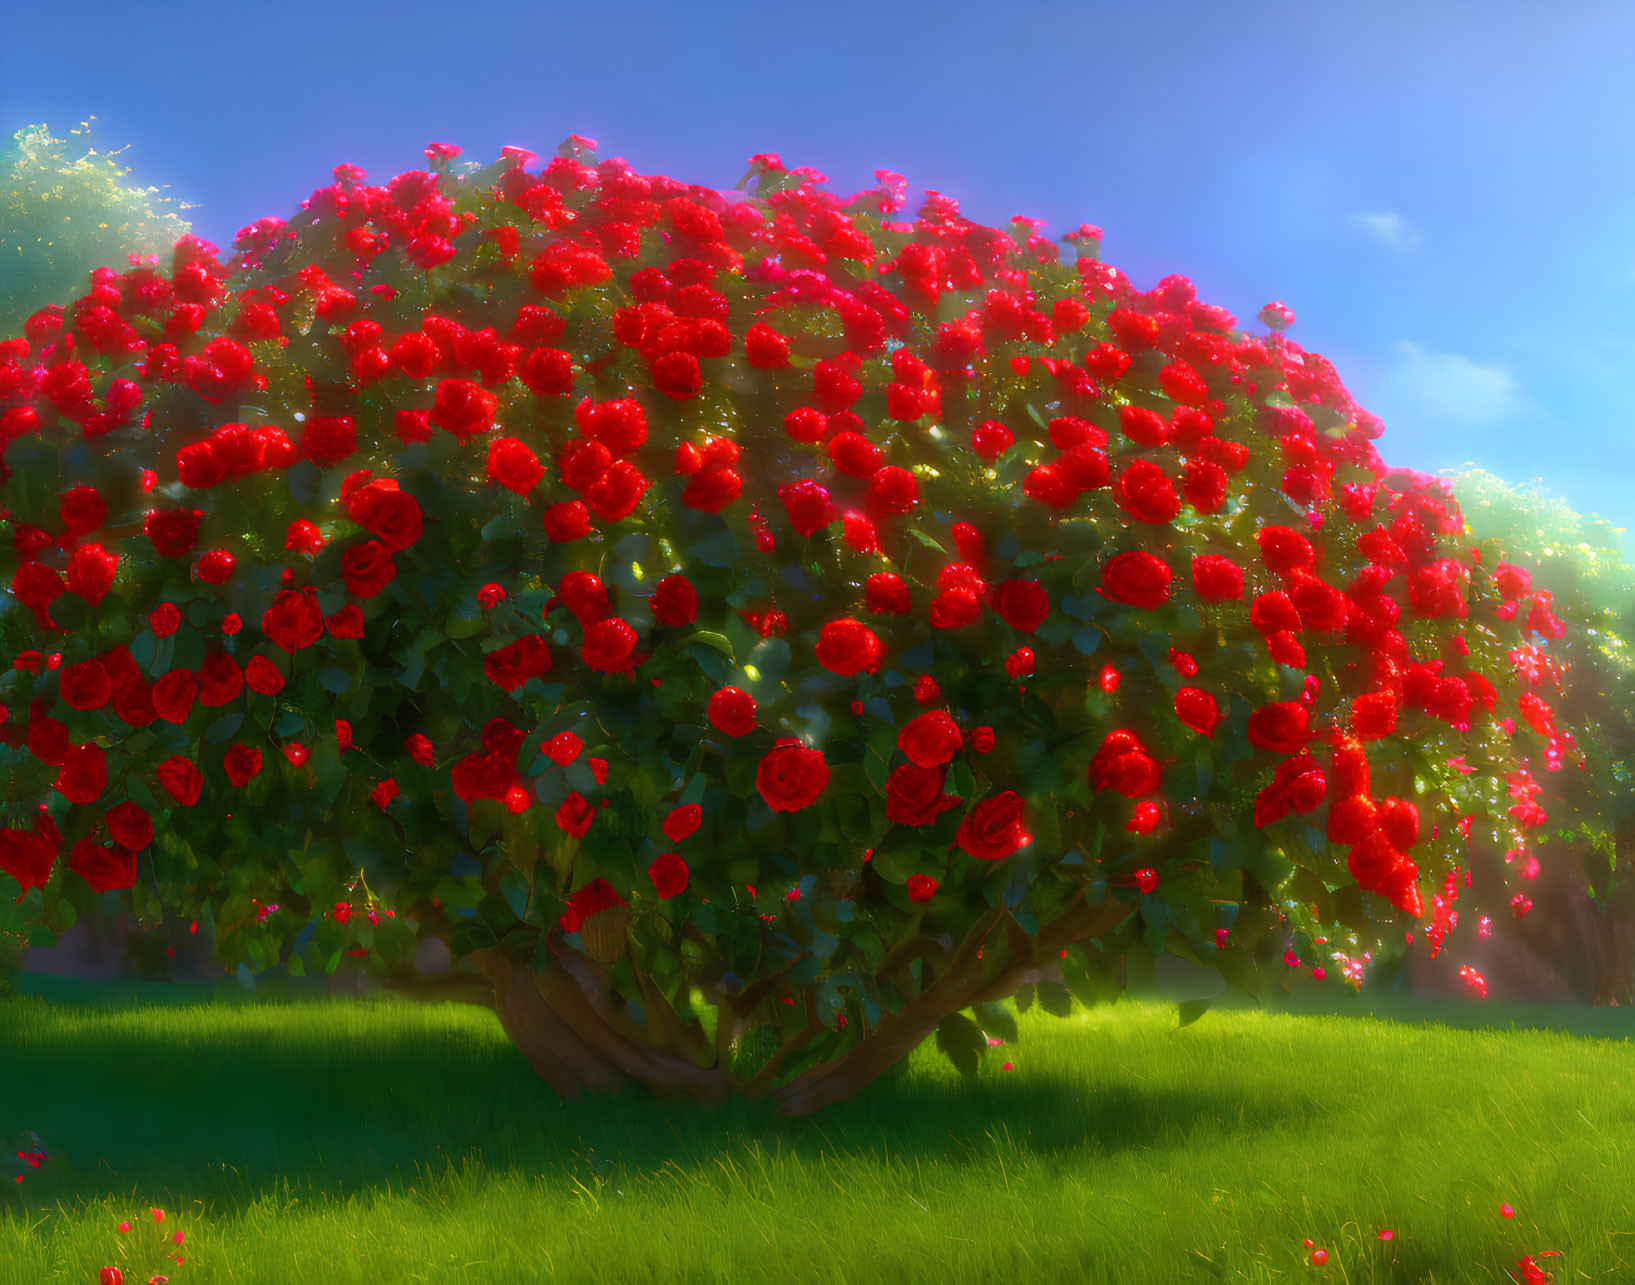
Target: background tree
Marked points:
1580	913
62	216
758	632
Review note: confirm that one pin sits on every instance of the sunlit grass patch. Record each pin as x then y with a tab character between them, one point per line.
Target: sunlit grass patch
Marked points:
384	1140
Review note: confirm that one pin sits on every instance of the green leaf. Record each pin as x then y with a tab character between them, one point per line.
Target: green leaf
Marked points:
926	540
467	622
705	638
1055	999
470	935
718	549
224	727
1024	998
962	1041
1190	1010
996	1021
335	679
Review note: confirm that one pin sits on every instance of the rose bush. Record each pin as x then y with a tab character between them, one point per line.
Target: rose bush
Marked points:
676	600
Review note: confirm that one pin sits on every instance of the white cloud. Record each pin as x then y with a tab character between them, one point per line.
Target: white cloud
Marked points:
1451	391
1391	230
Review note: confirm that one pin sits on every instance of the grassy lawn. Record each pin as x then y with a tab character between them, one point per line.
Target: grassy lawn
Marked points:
382	1140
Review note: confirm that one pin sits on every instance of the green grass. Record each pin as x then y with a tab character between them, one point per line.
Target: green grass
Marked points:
370	1141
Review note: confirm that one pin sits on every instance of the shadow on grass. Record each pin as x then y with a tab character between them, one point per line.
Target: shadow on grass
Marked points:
223	1116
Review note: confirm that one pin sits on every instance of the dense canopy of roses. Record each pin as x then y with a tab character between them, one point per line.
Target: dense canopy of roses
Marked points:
582	539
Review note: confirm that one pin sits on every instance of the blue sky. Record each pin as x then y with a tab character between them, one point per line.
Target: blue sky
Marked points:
1444	193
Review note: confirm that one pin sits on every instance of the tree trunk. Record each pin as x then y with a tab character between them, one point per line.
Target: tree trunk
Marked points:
567	1027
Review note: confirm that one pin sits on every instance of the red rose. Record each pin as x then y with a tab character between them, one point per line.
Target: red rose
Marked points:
1204	485
85	686
1351	819
106	869
991	439
1022	604
294	620
1137	579
791	776
383	794
174	694
1436	591
220	679
607	646
582	462
129	826
676	375
173	532
993	828
765	348
1142	426
732	710
885	592
508	668
914	795
567	521
669	874
1051	486
620	425
615	494
1285	648
421	749
198	467
1284	550
463	408
1216	578
215	566
930	739
547	372
1085	468
575	815
563	748
84	774
1373	716
386	511
921	887
1123	765
483	776
892	490
1372	860
1146	493
674	601
241	764
1281	728
1511	581
584	594
682	822
27	858
82	510
91	572
712	489
329	440
368	568
1273	612
263	676
594	897
808	505
345	623
47	737
513	465
1197	709
303	537
165	619
847	647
